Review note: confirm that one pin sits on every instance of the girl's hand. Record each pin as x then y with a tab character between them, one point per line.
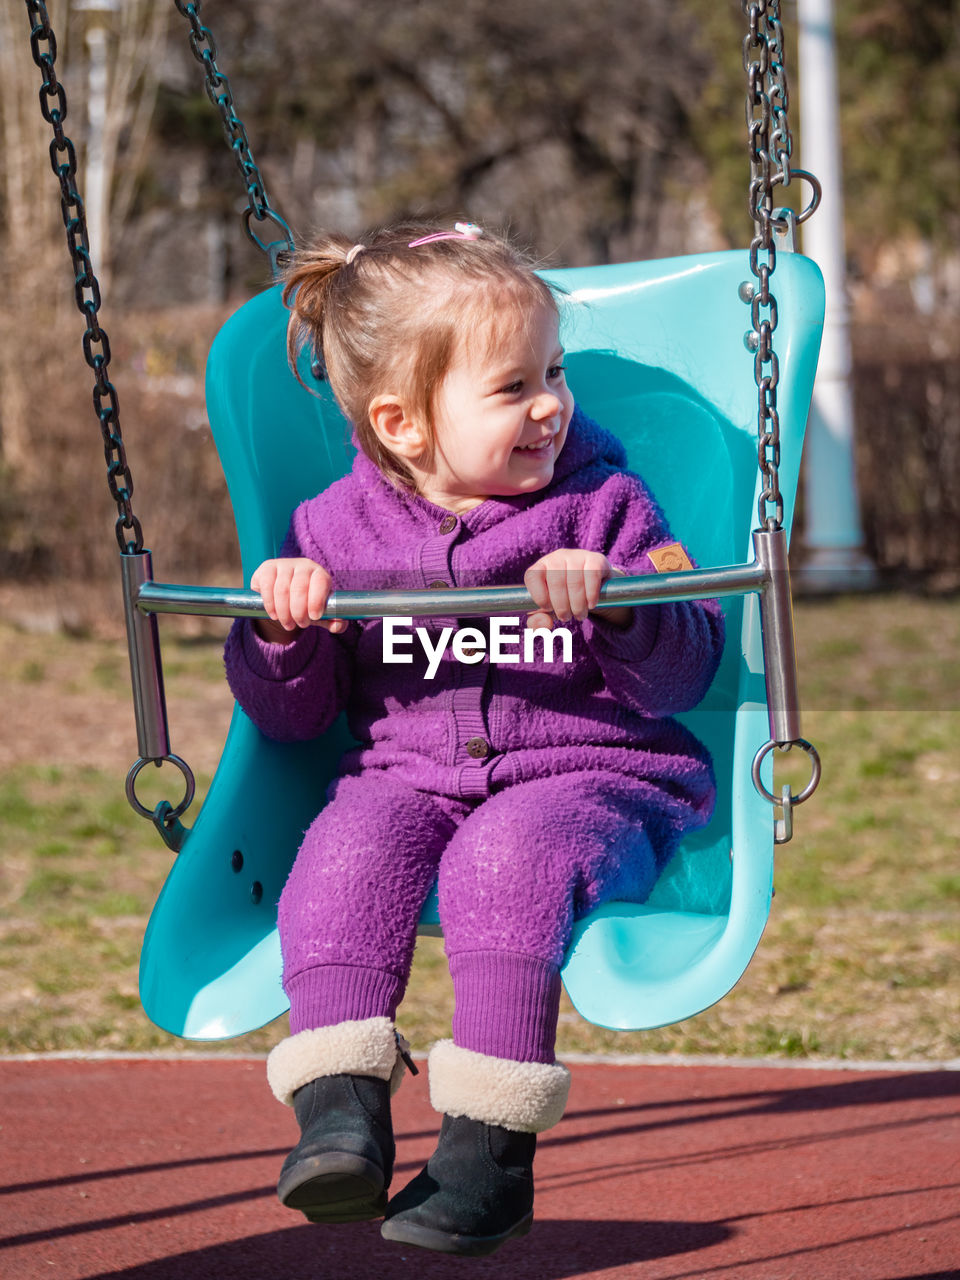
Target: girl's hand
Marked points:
566	584
295	593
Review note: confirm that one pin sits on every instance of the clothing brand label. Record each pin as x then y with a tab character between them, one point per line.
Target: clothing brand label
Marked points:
670	559
467	644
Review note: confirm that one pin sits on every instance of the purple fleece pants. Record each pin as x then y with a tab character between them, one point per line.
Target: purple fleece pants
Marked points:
515	870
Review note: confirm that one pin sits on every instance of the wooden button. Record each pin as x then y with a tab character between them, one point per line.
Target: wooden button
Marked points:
448	524
478	748
438	585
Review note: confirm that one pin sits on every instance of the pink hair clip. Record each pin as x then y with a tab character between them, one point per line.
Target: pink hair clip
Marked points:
461	231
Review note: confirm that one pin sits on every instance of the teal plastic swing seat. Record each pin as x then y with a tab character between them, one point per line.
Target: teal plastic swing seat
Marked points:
656	353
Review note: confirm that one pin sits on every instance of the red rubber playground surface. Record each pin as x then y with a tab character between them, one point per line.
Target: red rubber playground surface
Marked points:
161	1169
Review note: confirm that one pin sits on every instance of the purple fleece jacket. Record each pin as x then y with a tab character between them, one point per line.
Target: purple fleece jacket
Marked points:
473	729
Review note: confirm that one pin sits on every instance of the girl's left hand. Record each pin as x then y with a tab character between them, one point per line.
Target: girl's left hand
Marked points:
566	584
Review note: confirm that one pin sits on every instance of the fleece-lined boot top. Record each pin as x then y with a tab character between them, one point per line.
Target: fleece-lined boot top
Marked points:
339	1080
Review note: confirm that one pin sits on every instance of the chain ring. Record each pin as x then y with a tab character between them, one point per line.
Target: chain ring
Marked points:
815	769
174	812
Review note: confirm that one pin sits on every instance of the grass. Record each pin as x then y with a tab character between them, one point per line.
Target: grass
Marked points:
860	959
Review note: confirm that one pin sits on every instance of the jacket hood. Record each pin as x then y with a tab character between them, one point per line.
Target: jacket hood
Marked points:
587	443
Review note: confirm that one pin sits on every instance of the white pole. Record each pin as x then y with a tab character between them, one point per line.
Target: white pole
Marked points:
833	534
95	198
96	195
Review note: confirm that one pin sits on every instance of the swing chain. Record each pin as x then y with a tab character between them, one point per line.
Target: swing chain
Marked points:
96	345
770	147
204	49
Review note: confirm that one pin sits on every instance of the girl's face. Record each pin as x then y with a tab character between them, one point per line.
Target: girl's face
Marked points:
501	415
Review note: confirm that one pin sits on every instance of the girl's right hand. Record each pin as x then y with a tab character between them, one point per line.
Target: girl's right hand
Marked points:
295	593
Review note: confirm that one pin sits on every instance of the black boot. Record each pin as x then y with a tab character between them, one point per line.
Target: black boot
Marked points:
475	1193
340	1169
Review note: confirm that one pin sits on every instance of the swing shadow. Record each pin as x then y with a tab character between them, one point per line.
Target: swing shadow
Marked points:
928	1275
893	1090
554	1250
869	1091
859	1091
637	1121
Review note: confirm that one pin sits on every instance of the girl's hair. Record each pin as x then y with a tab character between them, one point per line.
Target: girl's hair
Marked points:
387	317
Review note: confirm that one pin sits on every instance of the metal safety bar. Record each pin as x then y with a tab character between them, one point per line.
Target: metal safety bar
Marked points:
149	702
146	670
780	673
460	602
768	576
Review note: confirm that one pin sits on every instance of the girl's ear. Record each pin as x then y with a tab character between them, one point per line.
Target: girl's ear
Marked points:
395	430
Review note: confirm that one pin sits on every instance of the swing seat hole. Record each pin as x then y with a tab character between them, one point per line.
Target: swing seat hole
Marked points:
236	861
256	893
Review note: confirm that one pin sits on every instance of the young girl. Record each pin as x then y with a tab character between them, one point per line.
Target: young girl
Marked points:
534	788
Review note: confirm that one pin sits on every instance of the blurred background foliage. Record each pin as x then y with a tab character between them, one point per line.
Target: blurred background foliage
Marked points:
594	132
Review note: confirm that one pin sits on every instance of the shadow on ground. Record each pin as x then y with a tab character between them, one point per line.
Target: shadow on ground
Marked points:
553	1250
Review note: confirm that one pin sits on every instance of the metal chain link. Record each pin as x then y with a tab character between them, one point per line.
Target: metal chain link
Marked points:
204	49
96	345
770	147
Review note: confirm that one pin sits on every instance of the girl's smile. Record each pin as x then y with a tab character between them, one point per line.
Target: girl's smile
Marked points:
539	448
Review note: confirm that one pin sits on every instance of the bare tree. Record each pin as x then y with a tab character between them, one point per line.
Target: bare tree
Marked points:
137	47
32	250
568	120
28	219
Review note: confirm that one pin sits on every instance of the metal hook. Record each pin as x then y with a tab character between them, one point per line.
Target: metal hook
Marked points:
171	829
276	248
783	826
815	198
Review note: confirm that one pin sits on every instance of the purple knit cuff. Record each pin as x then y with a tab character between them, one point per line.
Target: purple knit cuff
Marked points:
333	993
274	661
506	1005
633	643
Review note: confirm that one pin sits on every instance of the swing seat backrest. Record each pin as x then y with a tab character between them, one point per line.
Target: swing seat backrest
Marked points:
656	354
